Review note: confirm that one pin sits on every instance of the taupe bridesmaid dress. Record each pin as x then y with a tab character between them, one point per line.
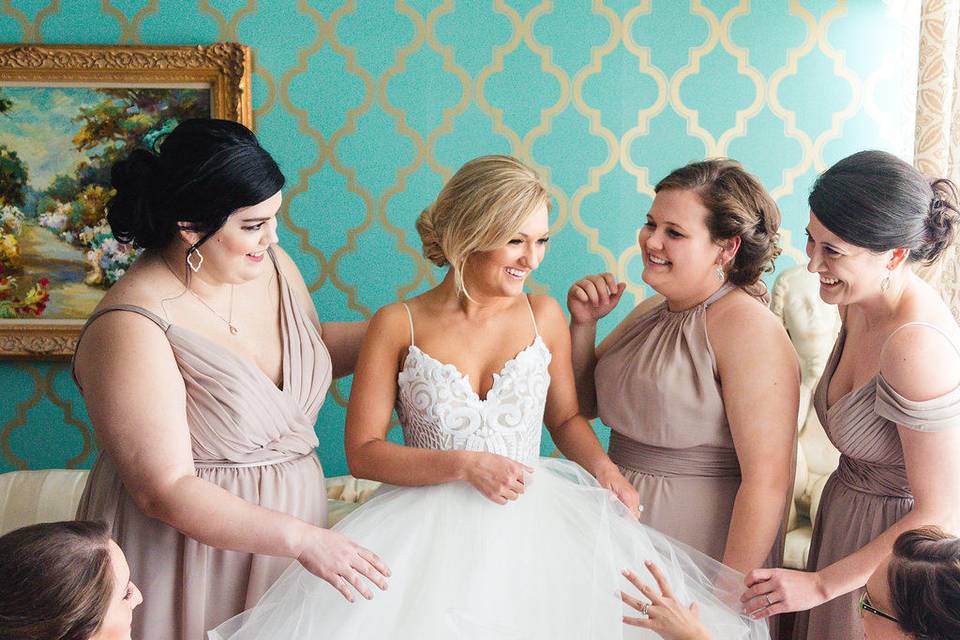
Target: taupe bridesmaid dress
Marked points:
658	389
249	437
869	490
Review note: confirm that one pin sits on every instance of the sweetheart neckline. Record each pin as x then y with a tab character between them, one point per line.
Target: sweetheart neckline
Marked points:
465	378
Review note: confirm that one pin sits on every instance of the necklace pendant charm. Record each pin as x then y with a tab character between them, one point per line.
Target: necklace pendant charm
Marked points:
233	329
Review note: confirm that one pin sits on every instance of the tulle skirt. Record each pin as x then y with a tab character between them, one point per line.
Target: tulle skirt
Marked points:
547	565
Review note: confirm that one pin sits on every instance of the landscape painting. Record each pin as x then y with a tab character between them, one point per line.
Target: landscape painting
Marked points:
57	144
67	113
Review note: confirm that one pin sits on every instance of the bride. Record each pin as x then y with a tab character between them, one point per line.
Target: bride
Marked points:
485	539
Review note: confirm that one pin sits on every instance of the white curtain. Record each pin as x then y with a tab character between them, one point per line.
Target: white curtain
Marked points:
937	142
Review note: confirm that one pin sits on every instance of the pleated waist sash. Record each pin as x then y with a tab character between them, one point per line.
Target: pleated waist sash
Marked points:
692	462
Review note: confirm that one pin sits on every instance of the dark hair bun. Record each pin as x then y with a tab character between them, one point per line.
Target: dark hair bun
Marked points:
134	212
206	170
941	221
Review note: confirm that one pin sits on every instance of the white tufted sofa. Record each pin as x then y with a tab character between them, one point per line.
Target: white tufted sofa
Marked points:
27	497
50	495
813	326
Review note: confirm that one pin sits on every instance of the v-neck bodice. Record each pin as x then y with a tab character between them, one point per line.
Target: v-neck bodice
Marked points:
438	409
235	412
862	425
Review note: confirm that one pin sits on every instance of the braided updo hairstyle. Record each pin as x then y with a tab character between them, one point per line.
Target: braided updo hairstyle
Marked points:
875	200
739	206
481	207
205	170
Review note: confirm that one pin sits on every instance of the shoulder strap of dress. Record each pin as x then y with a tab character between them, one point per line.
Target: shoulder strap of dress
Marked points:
276	264
921	323
533	318
410	318
146	313
724	289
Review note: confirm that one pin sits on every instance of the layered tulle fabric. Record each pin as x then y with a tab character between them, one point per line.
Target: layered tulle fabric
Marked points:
545	566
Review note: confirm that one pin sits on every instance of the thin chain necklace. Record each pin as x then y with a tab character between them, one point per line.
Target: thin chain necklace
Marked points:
228	320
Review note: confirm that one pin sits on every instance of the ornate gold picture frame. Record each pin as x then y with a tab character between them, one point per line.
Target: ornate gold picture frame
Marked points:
66	112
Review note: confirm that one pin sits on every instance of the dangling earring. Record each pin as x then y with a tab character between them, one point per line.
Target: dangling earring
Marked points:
720	273
194	251
885	284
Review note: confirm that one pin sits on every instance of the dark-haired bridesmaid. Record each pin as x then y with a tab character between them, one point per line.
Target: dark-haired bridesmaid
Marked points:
203	370
889	397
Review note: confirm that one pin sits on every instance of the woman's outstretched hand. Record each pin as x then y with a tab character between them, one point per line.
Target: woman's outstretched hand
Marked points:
343	563
773	591
663	614
497	477
593	297
610	478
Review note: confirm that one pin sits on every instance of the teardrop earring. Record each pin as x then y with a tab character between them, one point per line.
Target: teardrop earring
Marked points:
720	273
885	284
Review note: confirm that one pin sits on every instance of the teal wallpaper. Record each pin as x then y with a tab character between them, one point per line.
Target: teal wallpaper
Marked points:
370	105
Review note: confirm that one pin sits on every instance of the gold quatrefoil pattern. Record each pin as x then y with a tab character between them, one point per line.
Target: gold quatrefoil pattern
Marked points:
369	105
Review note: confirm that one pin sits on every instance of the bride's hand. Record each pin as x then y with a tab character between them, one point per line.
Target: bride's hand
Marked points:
497	477
593	297
610	478
342	562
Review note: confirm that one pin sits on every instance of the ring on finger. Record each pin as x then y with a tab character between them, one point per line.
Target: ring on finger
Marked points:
644	610
767	598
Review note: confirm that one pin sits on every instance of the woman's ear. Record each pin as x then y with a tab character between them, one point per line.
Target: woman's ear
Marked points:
728	250
187	234
897	257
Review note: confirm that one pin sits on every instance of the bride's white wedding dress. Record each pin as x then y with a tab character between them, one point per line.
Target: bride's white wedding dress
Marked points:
544	566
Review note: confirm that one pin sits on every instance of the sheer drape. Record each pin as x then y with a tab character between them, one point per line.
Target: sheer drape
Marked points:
937	142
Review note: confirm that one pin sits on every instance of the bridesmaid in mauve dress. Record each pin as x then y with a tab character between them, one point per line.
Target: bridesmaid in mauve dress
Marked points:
889	397
203	371
700	387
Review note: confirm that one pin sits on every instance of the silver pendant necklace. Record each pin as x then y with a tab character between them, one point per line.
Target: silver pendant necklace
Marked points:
228	320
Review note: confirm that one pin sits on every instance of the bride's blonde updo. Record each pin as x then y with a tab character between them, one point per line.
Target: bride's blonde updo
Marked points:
482	206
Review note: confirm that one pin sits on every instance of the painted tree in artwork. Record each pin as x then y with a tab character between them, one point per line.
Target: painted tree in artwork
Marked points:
13	171
13	177
112	128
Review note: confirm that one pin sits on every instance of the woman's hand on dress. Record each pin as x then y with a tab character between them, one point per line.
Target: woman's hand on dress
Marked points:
497	477
343	563
663	614
773	591
593	297
610	478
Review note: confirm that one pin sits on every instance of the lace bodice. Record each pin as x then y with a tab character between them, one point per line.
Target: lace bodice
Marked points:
438	409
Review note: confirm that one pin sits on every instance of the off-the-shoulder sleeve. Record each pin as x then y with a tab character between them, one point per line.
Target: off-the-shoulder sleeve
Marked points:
936	414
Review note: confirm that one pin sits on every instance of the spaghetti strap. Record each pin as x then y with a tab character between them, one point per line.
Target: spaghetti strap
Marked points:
146	313
921	323
533	318
410	318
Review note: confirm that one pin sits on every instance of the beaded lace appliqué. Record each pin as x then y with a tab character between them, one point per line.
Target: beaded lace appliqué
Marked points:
438	409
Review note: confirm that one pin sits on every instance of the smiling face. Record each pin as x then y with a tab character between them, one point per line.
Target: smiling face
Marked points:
123	600
848	273
236	252
679	257
502	271
877	627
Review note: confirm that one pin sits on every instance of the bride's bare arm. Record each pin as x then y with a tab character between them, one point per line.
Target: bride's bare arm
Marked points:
136	400
372	398
569	430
